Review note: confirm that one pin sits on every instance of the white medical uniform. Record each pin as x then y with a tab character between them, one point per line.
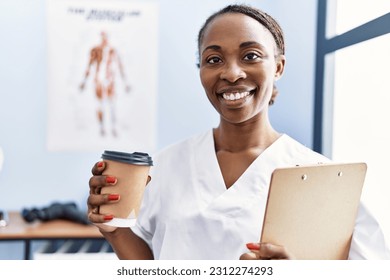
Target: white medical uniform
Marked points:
187	212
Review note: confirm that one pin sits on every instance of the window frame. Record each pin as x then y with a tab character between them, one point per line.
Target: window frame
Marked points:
325	46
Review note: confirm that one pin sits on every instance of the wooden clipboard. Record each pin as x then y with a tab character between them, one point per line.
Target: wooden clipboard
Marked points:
311	210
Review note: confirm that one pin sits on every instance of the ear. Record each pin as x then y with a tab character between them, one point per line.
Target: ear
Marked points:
280	62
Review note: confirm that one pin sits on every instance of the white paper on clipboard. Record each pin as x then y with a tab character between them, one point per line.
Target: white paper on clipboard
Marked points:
311	210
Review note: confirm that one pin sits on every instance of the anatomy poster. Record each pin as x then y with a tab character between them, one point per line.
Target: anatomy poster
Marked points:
102	75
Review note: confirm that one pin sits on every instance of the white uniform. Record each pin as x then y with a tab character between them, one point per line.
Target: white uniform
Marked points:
187	212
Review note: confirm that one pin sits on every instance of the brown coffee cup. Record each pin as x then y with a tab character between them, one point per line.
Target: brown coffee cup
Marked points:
132	173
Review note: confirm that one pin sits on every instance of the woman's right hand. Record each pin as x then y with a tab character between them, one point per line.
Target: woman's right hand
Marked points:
136	248
96	199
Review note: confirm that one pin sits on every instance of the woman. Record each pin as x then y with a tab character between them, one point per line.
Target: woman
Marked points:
207	196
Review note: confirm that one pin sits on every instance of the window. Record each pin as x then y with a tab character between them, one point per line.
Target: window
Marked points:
352	107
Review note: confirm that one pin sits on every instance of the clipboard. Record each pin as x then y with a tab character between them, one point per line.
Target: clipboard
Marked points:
311	210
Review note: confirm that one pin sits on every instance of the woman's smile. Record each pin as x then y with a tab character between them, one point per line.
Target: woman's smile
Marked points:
234	96
235	99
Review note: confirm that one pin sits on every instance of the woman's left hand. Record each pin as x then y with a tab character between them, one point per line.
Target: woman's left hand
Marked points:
266	251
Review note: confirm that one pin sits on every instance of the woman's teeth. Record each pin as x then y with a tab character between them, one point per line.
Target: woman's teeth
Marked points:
235	96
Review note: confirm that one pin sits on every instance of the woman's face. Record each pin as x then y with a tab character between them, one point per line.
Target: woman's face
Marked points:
238	66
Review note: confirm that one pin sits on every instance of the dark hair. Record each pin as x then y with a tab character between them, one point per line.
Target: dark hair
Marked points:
263	18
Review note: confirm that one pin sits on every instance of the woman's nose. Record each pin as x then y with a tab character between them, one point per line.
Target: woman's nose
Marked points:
232	72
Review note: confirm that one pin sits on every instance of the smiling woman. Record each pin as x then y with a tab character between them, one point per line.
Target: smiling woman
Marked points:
207	196
238	69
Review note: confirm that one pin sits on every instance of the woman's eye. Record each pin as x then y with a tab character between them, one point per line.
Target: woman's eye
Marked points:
251	56
213	60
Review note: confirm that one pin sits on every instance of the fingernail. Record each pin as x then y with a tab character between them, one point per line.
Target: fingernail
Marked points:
253	246
110	180
100	164
108	217
113	197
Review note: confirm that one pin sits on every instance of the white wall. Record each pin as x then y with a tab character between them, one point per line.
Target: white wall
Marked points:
32	176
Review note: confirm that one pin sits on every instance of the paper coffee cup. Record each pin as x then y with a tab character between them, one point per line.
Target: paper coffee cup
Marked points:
131	171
